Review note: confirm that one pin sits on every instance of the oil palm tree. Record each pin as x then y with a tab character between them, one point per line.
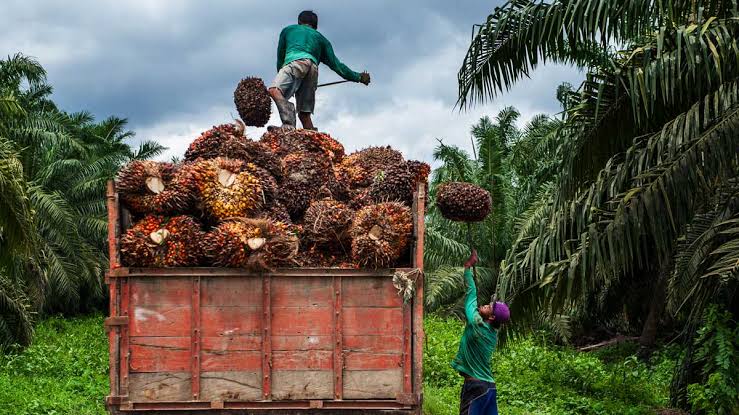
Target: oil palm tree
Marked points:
502	156
53	168
650	141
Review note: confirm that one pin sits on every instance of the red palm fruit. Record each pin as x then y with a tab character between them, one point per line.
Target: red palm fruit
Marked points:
399	182
326	224
463	202
157	241
380	234
256	244
253	102
359	169
210	144
155	187
231	188
305	174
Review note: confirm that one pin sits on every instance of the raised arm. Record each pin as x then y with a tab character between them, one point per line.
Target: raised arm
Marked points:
281	47
329	58
470	301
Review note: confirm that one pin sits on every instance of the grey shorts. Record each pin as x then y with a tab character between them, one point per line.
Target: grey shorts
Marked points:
299	78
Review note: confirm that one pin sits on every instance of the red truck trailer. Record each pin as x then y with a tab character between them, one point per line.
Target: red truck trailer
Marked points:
225	341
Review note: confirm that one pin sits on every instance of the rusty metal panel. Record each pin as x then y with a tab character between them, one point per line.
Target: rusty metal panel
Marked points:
266	337
418	333
195	339
338	351
124	336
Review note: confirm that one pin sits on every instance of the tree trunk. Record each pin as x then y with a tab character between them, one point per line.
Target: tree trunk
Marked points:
656	309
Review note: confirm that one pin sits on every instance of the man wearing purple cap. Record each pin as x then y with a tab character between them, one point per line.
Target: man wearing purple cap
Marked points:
476	348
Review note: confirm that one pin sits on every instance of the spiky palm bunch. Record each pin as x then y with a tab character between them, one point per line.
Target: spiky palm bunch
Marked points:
305	173
287	142
230	188
158	241
256	244
358	170
463	202
380	234
326	223
212	143
253	101
156	187
277	212
399	182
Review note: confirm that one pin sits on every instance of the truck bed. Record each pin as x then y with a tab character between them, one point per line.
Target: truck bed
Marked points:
226	341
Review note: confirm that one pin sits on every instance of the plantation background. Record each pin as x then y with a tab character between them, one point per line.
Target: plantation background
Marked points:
616	216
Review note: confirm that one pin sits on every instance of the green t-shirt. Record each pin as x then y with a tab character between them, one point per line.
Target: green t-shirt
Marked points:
478	341
304	42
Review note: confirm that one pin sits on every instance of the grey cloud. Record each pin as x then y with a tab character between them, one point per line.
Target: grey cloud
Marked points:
171	66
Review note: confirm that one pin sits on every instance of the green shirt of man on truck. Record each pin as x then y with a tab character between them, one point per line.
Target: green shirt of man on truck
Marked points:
300	50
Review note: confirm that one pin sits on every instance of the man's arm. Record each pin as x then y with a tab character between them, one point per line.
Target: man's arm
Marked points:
470	300
281	47
329	58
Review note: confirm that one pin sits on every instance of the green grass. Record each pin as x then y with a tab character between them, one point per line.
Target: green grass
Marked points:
65	371
533	377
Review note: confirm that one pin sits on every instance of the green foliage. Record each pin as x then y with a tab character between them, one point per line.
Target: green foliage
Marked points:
647	179
53	170
64	371
516	166
536	377
717	352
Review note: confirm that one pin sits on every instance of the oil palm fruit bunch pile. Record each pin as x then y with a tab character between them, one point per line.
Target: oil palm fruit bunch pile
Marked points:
256	244
463	202
291	198
305	174
157	241
380	234
212	143
326	224
155	187
229	187
399	182
253	102
358	170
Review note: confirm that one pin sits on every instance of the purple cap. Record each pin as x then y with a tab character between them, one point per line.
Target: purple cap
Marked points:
501	312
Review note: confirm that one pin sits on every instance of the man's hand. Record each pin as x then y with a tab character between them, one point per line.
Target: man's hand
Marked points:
364	78
472	260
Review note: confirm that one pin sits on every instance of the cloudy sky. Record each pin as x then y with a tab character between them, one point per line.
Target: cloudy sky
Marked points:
170	67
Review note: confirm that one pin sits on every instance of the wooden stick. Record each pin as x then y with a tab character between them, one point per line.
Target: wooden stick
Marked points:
617	339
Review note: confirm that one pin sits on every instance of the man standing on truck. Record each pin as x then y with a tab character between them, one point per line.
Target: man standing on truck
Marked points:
476	348
299	51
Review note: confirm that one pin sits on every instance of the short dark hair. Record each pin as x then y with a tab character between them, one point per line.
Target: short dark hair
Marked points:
309	18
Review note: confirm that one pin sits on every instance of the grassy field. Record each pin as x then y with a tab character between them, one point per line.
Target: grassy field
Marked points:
65	371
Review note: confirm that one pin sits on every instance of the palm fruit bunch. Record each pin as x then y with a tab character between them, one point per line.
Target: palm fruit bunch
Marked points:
287	142
253	102
256	244
358	170
463	202
158	241
229	188
399	182
380	234
155	187
257	153
305	174
326	223
277	212
212	143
